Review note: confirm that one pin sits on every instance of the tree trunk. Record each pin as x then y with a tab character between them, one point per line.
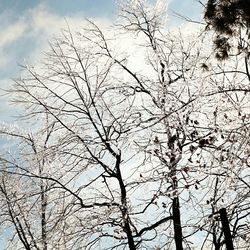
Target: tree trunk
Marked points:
226	229
216	242
43	219
124	209
177	224
131	242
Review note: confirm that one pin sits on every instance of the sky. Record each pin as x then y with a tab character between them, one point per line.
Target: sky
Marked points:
28	25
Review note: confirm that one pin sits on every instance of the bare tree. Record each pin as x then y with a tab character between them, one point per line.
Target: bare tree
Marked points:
133	147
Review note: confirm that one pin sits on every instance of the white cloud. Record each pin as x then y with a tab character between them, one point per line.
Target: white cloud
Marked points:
12	33
42	20
3	59
9	35
38	25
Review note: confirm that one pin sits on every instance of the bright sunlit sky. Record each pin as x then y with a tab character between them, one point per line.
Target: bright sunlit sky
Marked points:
28	25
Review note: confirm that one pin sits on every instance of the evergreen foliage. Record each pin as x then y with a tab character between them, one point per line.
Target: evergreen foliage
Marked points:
229	19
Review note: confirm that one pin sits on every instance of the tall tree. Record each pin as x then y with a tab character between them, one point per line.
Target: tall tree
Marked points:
229	20
135	147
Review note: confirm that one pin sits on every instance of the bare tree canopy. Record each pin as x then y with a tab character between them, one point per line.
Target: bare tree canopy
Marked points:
138	139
